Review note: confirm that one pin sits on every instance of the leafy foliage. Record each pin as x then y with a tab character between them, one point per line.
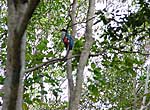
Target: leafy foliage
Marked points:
117	73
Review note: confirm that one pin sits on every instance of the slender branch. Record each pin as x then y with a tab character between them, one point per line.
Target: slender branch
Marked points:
147	106
55	60
144	54
32	4
139	99
124	51
84	55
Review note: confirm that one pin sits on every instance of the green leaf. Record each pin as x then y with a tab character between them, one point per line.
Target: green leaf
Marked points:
24	106
93	89
93	65
43	92
2	80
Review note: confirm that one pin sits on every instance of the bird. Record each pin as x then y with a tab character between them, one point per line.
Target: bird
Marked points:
67	40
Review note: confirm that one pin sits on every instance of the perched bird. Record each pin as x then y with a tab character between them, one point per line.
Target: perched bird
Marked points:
67	40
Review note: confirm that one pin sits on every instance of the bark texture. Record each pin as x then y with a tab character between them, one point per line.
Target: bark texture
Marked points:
146	91
145	104
69	62
84	56
19	13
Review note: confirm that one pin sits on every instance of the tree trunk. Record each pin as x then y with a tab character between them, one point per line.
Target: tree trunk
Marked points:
14	77
19	13
69	62
84	56
144	106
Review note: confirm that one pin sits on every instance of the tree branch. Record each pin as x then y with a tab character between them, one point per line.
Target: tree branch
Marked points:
55	60
69	62
124	51
84	55
31	5
19	13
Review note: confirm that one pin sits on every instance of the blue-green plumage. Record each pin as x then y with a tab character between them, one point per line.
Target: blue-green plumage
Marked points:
67	39
71	41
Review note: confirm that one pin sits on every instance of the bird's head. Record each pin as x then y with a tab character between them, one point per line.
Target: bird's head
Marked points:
63	32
